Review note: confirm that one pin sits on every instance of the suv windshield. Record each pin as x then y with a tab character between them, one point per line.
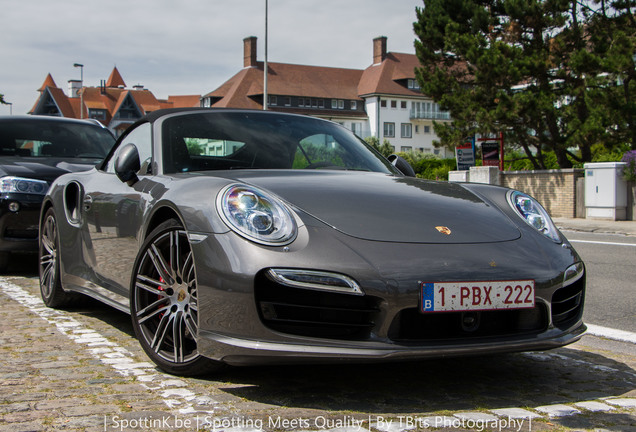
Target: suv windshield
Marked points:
42	138
256	140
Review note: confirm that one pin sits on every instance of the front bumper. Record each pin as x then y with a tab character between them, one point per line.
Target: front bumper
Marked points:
19	229
237	324
236	351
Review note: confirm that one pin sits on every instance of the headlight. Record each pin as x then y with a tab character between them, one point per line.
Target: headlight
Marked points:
256	215
534	214
23	185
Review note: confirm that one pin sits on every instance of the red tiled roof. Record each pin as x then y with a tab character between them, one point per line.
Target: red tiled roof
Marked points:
183	101
115	79
48	82
62	101
287	80
382	78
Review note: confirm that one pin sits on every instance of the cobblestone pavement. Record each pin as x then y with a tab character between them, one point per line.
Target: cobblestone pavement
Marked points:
82	369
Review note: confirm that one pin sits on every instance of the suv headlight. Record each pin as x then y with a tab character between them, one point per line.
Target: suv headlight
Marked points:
256	215
534	214
23	185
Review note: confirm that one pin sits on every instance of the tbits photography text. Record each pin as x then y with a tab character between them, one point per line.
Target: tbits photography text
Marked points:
318	423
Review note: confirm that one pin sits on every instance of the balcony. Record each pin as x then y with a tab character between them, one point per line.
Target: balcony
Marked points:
429	115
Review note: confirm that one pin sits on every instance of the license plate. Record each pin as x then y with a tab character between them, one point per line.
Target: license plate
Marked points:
476	296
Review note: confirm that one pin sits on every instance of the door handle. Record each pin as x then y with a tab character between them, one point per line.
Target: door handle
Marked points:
88	202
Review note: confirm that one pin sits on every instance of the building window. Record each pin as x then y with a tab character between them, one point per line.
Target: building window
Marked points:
403	104
393	104
427	129
417	129
334	104
287	101
407	131
389	129
321	103
97	114
356	128
271	100
383	104
340	104
413	84
406	149
354	105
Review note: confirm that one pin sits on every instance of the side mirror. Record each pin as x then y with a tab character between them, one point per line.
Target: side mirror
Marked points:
402	165
127	164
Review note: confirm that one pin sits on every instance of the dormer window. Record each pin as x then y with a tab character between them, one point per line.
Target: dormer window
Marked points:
413	84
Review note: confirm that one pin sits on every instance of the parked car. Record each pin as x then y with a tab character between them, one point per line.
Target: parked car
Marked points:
34	151
244	237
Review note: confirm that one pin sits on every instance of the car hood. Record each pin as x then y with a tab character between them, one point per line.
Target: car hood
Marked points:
380	207
47	169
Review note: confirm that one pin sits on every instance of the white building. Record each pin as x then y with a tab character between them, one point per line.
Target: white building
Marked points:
383	100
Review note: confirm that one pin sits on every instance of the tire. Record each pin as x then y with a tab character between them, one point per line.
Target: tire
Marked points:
164	304
51	289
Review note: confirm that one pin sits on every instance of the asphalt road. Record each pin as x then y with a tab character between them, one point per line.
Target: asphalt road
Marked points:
611	278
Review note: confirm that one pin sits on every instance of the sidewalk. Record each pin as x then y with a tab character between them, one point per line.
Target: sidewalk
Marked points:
627	228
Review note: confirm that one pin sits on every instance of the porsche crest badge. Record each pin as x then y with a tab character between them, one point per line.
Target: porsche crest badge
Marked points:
443	230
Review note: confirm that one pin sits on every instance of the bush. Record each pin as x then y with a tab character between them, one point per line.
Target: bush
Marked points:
629	173
429	166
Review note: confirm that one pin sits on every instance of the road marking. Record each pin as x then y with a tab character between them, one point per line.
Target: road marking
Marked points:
603	243
610	333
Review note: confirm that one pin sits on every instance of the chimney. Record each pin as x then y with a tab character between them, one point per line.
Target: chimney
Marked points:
249	51
74	87
379	49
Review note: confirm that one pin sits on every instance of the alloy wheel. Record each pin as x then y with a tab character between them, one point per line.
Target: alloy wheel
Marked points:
48	257
165	305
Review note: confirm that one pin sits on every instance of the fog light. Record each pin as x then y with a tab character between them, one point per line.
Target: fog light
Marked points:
14	206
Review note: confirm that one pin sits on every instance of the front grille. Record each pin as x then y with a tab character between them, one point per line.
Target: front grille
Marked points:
29	234
410	325
567	304
305	312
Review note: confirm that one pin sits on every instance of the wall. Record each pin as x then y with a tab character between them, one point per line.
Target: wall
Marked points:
554	189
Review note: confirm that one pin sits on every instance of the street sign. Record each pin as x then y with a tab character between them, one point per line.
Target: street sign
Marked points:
490	153
465	155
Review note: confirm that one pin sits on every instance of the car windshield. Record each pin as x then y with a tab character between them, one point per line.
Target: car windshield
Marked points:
43	138
256	140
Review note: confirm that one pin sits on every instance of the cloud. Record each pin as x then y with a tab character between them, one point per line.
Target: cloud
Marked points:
186	47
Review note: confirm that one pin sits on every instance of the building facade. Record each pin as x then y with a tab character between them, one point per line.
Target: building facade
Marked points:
112	103
383	100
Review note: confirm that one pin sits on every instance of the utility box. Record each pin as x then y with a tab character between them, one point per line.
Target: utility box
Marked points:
605	191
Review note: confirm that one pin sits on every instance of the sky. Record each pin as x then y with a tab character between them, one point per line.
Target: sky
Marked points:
184	47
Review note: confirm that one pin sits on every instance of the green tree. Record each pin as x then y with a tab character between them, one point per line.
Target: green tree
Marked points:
386	149
551	74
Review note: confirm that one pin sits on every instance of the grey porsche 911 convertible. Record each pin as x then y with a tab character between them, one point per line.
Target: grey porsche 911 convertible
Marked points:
243	237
